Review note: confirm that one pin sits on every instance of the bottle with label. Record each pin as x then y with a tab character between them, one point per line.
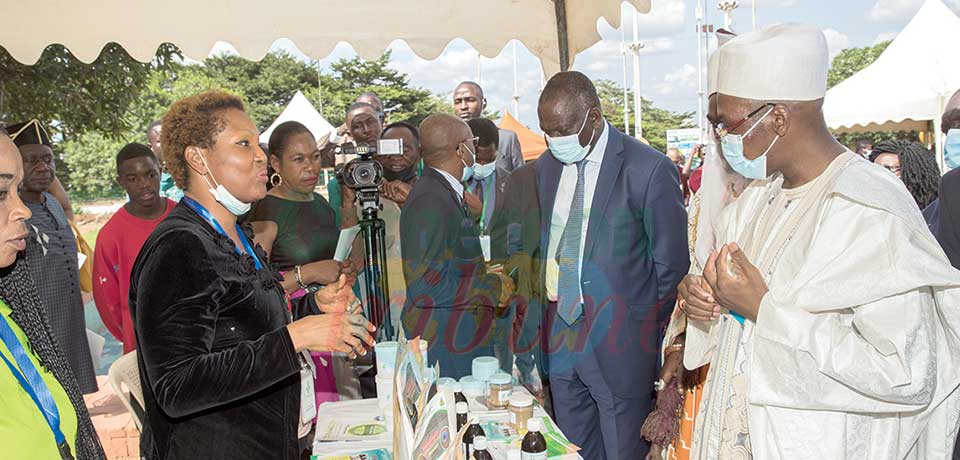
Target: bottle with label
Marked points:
534	446
462	410
480	449
472	432
458	395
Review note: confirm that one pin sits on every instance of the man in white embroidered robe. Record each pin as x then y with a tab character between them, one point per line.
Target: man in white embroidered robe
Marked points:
830	316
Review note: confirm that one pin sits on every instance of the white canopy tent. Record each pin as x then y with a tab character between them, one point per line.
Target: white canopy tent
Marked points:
553	30
300	109
908	85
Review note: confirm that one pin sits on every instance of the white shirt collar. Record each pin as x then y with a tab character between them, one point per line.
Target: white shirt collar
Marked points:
596	156
457	186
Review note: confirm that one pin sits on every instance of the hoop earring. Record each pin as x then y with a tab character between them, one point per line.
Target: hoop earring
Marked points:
276	180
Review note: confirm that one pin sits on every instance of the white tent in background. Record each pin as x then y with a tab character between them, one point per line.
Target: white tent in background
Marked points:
908	85
300	109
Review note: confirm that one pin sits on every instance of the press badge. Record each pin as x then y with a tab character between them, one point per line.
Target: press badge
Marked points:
308	397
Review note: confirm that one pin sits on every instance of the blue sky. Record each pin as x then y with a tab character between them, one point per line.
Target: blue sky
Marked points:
669	62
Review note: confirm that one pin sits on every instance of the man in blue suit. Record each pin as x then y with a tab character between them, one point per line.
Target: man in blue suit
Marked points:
614	229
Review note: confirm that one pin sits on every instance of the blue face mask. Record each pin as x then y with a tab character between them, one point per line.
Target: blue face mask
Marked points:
731	146
567	149
951	149
484	171
467	170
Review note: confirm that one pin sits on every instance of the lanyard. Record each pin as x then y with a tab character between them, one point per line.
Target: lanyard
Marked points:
485	198
33	384
199	209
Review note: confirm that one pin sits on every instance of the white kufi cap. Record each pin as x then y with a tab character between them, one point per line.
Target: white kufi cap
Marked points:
783	62
723	36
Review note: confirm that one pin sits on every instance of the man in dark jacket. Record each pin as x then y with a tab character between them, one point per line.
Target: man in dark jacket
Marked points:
451	295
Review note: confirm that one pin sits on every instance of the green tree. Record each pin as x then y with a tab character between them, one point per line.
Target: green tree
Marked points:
853	60
401	100
656	121
91	166
73	97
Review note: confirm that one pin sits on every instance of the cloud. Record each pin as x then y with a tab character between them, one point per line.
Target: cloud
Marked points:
836	41
884	36
895	10
680	80
666	17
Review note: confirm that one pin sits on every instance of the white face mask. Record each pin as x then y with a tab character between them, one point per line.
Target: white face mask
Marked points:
484	171
567	149
222	195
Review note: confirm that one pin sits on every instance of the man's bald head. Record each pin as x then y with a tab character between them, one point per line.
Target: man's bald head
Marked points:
472	85
951	114
569	105
572	89
468	100
440	135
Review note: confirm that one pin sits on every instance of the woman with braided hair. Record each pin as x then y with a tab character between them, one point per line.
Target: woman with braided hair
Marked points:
42	412
914	165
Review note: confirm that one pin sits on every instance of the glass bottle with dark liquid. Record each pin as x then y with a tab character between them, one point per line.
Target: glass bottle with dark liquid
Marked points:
462	409
480	449
471	434
534	446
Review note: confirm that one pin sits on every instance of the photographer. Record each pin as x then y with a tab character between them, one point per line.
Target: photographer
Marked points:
363	122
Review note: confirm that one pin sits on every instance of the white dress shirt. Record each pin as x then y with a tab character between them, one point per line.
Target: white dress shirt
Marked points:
457	186
561	208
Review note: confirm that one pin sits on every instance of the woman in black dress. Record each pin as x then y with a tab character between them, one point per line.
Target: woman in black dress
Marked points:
219	343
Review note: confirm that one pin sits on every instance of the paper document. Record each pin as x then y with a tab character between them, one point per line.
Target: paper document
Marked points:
345	243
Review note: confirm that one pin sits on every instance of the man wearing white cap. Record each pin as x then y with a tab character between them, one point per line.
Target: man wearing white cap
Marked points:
821	343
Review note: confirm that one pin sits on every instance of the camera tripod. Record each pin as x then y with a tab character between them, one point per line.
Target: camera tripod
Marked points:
376	288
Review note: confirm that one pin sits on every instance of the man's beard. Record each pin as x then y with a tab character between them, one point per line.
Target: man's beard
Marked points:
405	175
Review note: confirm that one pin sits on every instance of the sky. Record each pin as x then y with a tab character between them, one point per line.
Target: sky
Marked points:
669	59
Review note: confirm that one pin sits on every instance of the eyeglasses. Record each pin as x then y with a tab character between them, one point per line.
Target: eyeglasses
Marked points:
893	169
474	141
722	130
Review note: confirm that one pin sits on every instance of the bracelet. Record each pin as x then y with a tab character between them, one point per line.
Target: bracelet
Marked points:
300	279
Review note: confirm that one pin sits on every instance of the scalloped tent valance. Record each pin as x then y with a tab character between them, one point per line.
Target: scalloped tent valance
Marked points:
553	30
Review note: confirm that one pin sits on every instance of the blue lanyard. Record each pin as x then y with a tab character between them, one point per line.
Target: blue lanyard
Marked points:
199	209
33	384
740	319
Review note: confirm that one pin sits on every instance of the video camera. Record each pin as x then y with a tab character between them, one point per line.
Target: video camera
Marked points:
365	173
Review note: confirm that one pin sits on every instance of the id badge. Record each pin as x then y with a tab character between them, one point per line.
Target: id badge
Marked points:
485	247
308	397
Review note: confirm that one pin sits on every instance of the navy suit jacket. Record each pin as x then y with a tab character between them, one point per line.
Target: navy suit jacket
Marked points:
635	254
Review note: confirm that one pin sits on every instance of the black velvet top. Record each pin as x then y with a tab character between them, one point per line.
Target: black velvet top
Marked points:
217	366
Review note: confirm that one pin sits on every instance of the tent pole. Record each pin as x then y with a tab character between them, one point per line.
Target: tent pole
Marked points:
560	6
516	91
623	66
636	46
319	89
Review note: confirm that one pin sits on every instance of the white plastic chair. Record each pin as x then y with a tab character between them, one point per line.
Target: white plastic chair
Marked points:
124	371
